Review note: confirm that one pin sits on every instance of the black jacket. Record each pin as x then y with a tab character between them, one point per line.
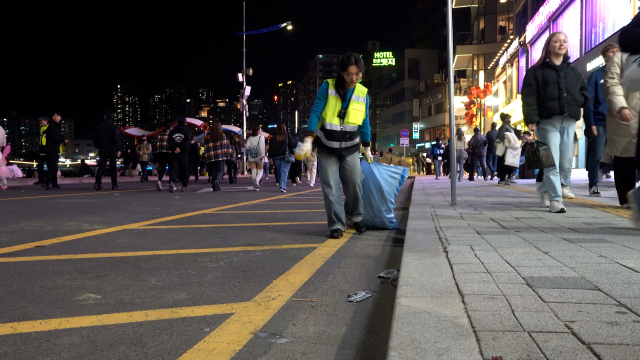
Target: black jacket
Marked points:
491	137
630	37
194	152
549	90
277	148
54	138
106	136
180	137
476	144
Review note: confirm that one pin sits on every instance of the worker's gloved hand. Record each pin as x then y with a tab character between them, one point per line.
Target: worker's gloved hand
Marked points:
367	154
305	149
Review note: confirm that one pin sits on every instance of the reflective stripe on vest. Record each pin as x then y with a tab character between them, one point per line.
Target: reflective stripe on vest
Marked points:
43	136
337	133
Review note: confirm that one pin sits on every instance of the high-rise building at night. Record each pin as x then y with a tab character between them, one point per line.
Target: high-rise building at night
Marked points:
167	105
205	103
288	105
257	114
126	107
325	65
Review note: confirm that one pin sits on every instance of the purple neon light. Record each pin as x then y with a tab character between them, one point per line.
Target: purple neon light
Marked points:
603	18
522	67
536	48
569	23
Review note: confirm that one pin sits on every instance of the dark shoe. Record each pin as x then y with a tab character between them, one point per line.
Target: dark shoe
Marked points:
97	187
360	228
116	187
39	182
216	186
335	234
55	186
45	186
141	179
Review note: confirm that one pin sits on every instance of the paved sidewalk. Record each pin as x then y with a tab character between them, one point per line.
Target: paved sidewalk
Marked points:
535	285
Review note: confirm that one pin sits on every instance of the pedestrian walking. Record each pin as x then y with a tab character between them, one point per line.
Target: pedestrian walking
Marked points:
622	127
419	164
179	139
461	154
255	155
340	121
232	163
312	165
507	136
42	150
217	150
553	94
492	157
53	138
144	152
476	151
163	154
106	137
598	110
265	165
280	145
194	159
436	153
4	151
445	159
295	172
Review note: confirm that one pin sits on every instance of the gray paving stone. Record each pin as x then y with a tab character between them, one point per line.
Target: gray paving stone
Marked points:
474	278
559	282
632	303
588	240
562	346
479	289
527	303
543	321
468	268
617	352
516	289
509	345
486	303
499	267
593	312
610	332
545	271
494	321
508	278
533	262
575	296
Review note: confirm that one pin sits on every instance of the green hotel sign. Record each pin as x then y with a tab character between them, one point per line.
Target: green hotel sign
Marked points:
383	59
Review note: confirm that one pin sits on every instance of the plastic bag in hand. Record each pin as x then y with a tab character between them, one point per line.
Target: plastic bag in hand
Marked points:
538	155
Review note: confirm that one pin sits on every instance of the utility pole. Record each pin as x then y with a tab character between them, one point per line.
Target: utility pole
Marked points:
452	118
244	82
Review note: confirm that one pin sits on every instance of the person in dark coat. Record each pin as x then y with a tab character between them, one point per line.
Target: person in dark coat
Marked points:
492	157
179	139
553	95
232	163
194	159
419	164
476	149
106	137
54	139
84	169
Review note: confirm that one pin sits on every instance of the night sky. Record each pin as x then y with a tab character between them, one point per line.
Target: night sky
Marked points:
71	55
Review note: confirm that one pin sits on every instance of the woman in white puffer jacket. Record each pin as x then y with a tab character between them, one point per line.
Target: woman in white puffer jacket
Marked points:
622	127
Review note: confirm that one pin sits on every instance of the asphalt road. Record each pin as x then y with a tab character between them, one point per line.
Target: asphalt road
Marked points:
139	274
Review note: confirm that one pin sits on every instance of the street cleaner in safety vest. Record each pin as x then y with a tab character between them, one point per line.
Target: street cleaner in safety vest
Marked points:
340	122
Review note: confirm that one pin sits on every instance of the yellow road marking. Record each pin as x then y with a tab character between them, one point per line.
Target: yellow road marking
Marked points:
134	225
230	225
611	209
293	202
233	334
263	211
89	193
118	318
156	252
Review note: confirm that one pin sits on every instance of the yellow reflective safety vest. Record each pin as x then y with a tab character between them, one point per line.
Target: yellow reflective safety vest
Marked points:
43	136
342	133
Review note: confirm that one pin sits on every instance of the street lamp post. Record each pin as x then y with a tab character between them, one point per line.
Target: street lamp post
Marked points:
243	103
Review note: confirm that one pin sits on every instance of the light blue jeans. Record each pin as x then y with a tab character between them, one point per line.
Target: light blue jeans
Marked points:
460	153
334	170
283	172
559	133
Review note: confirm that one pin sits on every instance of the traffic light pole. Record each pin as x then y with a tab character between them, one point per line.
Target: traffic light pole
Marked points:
452	119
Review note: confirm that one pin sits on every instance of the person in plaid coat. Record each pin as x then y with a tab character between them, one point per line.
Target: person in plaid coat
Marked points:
216	151
162	153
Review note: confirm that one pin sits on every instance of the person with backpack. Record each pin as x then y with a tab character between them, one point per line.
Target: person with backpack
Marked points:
255	155
436	153
476	152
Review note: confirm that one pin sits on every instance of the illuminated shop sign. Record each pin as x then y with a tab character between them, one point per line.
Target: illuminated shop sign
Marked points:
542	17
383	58
515	44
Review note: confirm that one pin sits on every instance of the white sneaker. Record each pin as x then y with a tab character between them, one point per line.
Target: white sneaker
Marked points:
544	199
566	193
594	191
311	184
172	187
626	206
556	206
159	186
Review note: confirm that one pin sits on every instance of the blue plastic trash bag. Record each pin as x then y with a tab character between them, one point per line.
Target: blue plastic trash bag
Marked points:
380	186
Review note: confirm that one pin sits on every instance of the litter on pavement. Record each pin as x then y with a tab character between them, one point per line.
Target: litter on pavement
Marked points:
389	273
359	296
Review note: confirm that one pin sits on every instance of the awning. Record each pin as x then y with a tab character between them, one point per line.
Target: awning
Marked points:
462	61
